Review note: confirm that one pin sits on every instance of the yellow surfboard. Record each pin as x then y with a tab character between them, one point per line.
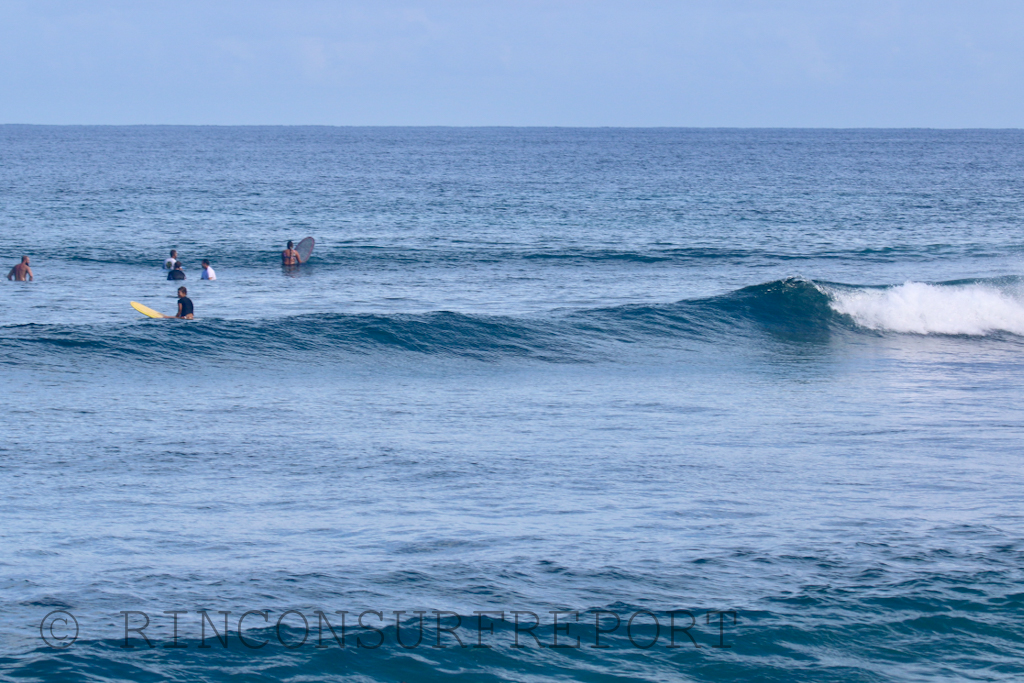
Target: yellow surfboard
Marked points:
146	310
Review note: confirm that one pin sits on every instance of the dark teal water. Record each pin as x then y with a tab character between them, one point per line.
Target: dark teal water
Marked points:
769	381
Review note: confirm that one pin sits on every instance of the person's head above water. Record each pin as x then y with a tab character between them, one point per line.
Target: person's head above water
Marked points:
177	265
174	253
290	244
182	291
24	259
205	263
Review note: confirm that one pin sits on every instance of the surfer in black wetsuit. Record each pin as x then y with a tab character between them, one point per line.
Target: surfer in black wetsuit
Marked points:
177	273
184	304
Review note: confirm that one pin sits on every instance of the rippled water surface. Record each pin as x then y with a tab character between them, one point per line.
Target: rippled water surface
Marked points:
769	380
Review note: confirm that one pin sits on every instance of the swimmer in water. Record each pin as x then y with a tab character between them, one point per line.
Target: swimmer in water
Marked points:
290	257
21	270
208	272
185	309
177	273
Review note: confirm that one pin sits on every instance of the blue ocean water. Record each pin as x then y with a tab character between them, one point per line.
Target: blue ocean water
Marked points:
766	380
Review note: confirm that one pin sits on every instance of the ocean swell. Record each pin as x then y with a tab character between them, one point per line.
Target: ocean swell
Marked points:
790	311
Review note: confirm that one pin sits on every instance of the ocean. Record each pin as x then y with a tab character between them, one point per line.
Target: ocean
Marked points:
544	405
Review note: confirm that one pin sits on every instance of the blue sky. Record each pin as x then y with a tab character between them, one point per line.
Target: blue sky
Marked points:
838	63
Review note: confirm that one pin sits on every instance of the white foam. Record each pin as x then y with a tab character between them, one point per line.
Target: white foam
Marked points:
919	308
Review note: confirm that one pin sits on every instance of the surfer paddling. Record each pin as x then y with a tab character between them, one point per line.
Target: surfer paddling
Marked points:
185	309
290	257
20	271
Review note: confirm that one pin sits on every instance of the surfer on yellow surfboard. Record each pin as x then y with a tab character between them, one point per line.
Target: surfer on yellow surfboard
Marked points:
185	308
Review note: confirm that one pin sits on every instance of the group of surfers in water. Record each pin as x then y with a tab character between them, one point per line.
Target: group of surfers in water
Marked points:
289	259
175	272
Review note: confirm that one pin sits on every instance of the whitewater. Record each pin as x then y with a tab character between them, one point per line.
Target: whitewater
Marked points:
719	404
974	308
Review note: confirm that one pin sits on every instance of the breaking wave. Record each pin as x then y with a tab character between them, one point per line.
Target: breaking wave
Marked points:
791	310
964	308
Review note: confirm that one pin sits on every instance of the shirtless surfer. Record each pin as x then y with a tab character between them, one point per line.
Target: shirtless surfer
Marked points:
19	271
290	257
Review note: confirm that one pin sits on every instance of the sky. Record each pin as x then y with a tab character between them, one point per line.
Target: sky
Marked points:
715	63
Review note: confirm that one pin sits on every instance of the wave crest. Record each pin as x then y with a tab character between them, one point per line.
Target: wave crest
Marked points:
790	311
971	308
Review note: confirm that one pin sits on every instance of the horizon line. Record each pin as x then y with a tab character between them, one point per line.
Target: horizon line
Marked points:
500	126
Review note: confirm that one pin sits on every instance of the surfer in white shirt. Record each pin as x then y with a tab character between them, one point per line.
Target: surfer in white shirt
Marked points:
169	263
208	273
